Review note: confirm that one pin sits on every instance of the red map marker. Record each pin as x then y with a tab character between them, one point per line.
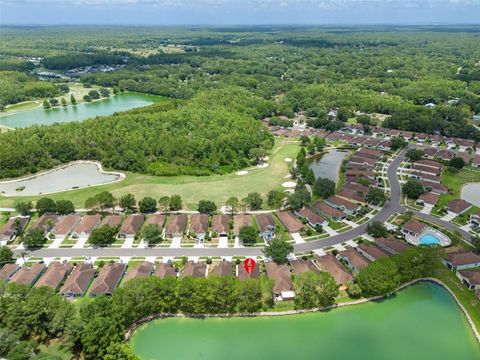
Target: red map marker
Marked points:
249	265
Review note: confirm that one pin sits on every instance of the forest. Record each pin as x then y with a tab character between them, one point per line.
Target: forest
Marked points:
422	79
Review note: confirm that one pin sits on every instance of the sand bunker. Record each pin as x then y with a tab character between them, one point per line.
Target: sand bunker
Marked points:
289	184
287	160
243	172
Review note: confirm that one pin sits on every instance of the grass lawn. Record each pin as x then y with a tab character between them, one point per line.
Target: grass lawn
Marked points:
467	297
335	225
192	189
454	183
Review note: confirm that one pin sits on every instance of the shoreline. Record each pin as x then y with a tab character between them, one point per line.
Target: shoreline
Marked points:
121	176
131	330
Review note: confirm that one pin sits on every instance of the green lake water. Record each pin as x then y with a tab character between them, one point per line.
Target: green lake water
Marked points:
78	112
421	322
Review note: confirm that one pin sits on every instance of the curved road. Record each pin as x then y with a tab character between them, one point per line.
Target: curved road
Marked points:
391	207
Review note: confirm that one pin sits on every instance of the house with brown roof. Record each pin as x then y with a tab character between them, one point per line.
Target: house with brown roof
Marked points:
385	145
429	153
77	283
163	270
7	271
139	271
445	155
131	226
390	245
86	226
435	139
353	259
301	266
45	222
425	177
371	252
176	225
243	274
461	260
291	223
476	161
313	219
427	170
194	269
360	160
54	275
239	221
434	187
421	137
14	227
28	275
470	278
283	285
352	196
458	206
267	225
413	228
465	144
65	225
199	226
362	190
464	156
223	268
113	220
156	219
428	198
370	153
330	264
221	225
343	205
326	210
108	279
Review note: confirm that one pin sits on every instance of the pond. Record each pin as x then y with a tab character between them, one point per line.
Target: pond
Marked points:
327	165
74	175
421	322
471	193
78	112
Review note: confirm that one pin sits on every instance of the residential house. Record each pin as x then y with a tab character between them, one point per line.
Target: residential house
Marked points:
371	252
114	220
465	144
464	156
351	196
7	271
45	222
425	177
435	140
108	279
239	221
429	153
194	269
131	226
470	278
54	275
369	153
461	260
221	225
291	223
390	245
428	198
445	155
385	145
354	260
283	285
313	219
434	187
362	161
85	227
267	225
362	190
421	137
413	228
14	227
372	143
407	135
28	275
65	225
199	226
458	206
139	271
163	270
223	268
328	211
345	206
243	274
330	264
156	219
78	282
476	161
302	266
176	225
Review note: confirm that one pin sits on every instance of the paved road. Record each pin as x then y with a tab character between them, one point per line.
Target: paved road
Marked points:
391	207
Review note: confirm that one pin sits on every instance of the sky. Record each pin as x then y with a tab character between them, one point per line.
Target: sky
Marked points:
223	12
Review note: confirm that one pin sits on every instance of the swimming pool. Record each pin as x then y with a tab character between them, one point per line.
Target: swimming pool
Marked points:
429	239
